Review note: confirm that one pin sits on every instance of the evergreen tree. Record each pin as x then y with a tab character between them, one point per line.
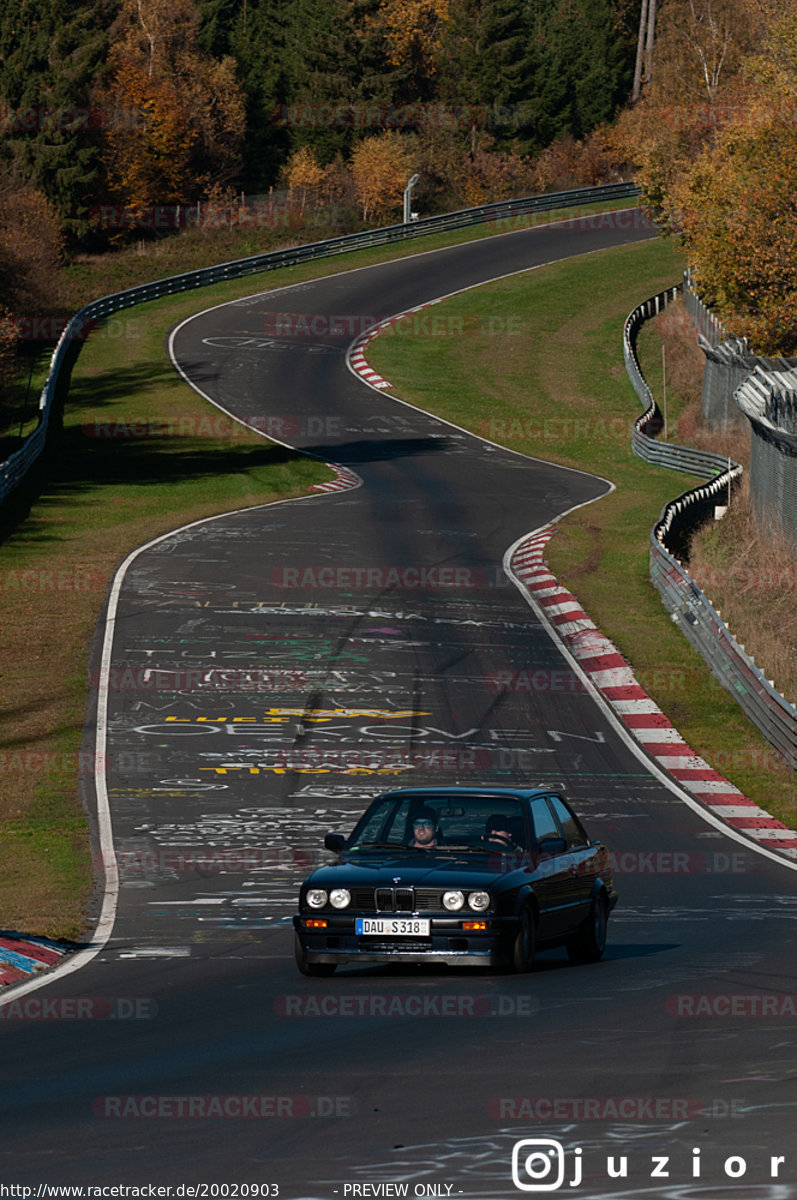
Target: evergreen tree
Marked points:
340	85
53	53
485	69
254	32
582	65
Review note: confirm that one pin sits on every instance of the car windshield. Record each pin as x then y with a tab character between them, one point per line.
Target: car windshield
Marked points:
442	822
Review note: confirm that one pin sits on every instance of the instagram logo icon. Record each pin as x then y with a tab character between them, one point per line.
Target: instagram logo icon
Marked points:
538	1165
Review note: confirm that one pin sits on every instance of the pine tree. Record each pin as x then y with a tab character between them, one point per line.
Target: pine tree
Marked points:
53	54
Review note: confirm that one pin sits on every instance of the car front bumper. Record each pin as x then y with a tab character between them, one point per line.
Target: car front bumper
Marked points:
448	944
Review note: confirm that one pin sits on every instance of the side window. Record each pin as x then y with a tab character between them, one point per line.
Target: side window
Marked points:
544	823
571	827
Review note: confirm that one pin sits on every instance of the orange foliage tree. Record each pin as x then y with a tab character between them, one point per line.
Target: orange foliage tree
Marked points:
413	32
176	115
381	166
304	174
148	141
30	256
736	204
695	88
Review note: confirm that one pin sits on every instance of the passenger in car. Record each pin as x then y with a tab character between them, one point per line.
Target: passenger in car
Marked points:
499	834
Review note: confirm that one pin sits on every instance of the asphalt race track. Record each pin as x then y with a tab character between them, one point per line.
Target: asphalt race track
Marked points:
267	673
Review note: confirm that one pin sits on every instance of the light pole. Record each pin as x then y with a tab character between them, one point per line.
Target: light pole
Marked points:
408	198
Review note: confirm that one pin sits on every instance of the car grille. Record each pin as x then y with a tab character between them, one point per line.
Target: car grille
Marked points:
390	900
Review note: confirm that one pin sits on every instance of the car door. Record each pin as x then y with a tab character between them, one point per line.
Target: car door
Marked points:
554	885
579	862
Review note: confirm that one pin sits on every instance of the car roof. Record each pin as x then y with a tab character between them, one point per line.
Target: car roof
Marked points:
520	793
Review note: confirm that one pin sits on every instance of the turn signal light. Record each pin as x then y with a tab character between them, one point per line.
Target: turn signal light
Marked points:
314	923
474	925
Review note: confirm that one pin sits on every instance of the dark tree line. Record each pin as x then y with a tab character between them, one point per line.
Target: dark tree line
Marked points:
511	74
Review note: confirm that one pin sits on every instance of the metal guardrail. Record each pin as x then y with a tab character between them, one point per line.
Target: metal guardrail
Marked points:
698	620
15	468
680	516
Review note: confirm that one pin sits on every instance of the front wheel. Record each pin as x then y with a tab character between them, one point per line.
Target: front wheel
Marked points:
315	970
589	943
525	945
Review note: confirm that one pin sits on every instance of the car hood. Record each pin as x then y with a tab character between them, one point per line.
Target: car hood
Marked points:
422	869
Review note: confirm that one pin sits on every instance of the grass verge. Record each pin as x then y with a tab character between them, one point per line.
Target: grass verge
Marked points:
536	364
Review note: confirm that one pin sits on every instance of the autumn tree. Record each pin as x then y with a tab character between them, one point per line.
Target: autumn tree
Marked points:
736	206
414	32
303	174
696	86
149	141
177	114
381	165
31	245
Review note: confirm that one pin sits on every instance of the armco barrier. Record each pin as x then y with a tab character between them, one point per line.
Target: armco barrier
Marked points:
15	468
680	517
698	620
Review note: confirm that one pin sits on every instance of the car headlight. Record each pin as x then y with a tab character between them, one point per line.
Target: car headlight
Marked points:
479	901
316	897
340	898
453	901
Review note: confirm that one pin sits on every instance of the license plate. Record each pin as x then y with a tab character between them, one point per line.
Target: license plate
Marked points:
392	926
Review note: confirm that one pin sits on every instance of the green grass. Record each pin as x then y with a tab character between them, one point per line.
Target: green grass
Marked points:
534	362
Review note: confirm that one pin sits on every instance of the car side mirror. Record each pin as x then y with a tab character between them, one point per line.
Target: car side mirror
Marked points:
335	842
553	845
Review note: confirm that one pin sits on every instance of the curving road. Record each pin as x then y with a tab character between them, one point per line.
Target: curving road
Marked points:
269	671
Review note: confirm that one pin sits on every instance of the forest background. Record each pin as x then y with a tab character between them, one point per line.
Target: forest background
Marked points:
125	122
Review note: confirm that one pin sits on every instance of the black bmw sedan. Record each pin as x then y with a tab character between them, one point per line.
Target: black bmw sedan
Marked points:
460	876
